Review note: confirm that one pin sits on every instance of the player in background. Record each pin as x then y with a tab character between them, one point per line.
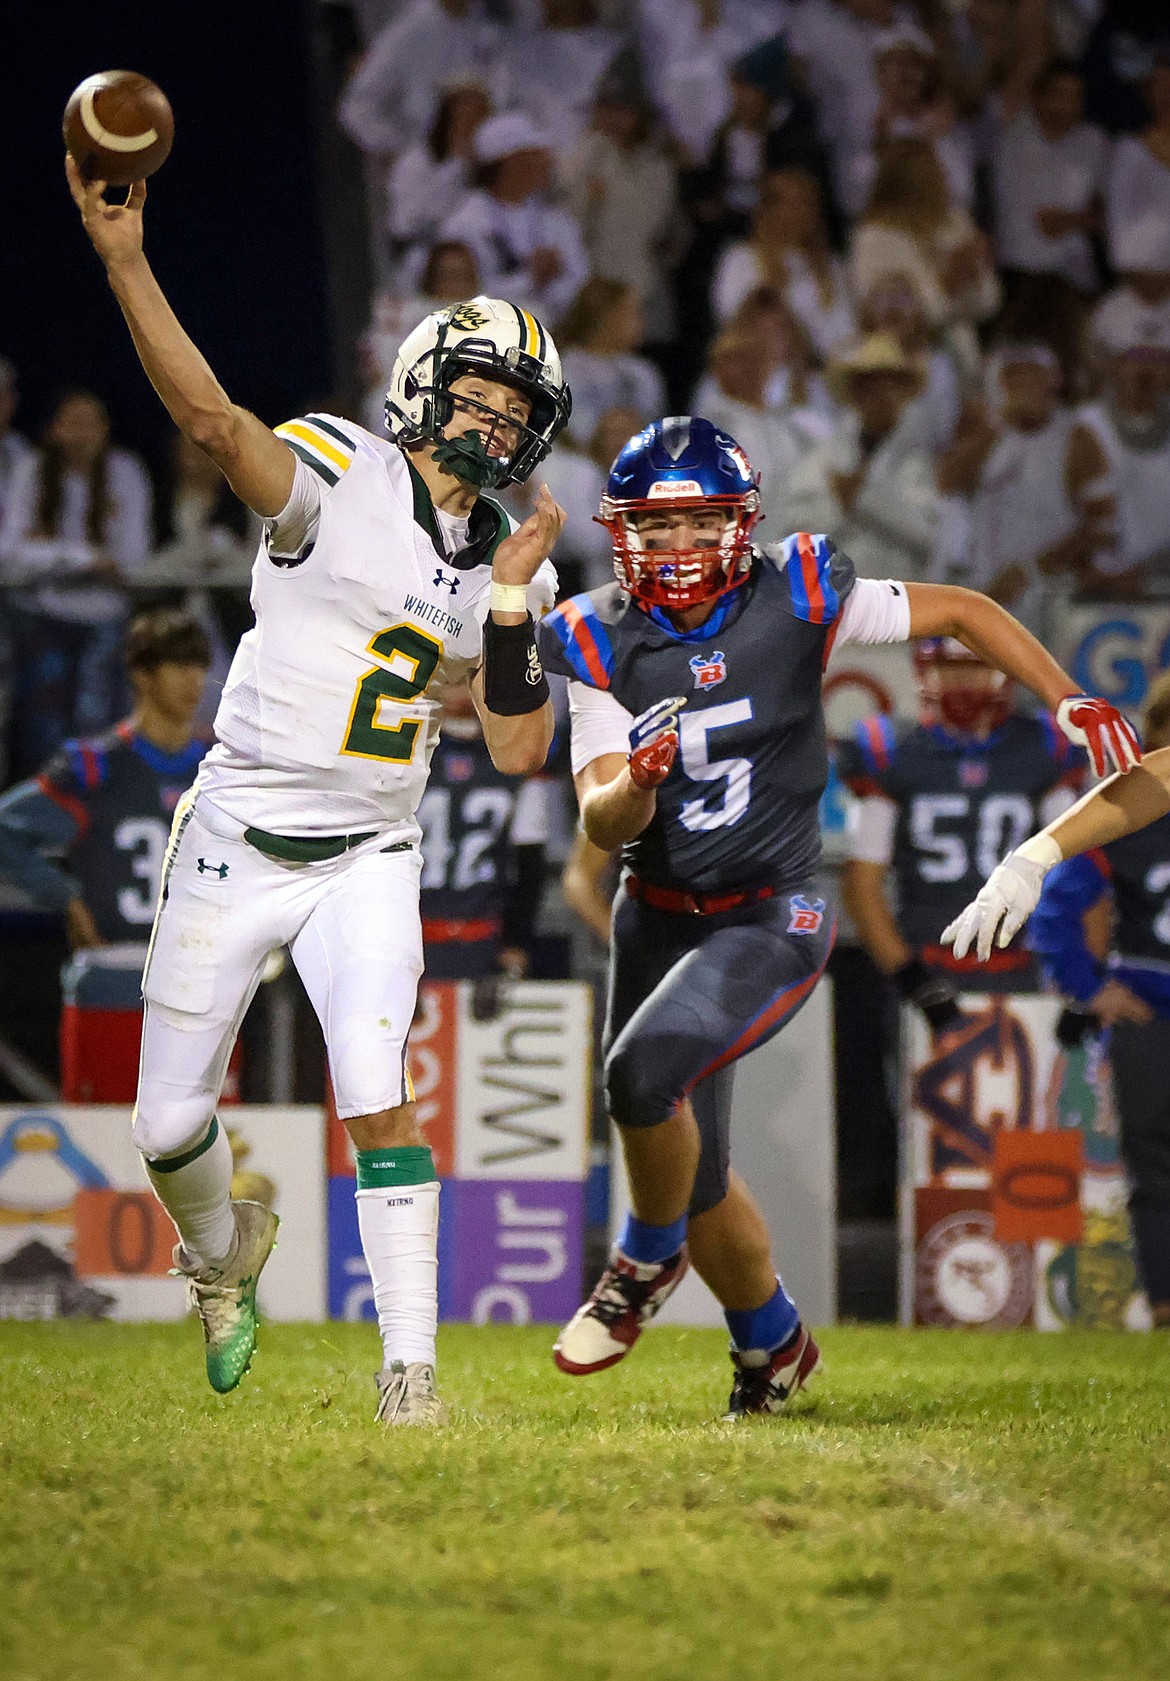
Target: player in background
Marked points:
483	841
382	573
939	802
86	837
1101	928
698	745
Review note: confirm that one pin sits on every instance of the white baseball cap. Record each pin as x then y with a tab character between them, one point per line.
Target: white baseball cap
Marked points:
502	136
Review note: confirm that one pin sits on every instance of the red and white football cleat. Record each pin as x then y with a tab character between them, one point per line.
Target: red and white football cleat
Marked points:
768	1383
625	1298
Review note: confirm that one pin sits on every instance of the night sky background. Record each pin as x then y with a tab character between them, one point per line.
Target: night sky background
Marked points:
233	223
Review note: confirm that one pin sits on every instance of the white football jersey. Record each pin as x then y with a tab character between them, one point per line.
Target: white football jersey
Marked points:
328	717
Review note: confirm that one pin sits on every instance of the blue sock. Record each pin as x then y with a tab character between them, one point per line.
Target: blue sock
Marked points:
651	1243
763	1327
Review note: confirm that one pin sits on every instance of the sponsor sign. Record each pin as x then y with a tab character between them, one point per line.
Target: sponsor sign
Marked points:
1114	651
1013	1194
517	1251
505	1105
82	1235
525	1084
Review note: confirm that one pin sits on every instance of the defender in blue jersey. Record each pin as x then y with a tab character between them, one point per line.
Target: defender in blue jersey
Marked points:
483	841
940	800
87	837
698	747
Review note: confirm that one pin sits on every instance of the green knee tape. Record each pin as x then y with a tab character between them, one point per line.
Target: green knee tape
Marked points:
407	1164
172	1164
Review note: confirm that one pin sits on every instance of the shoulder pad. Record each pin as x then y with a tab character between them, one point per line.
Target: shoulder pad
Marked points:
581	638
325	444
818	577
87	763
876	740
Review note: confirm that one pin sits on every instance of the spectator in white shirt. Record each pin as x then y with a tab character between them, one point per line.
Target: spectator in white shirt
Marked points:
835	40
912	104
774	443
1137	312
78	521
871	485
894	306
623	189
1132	420
688	47
911	227
390	101
599	338
1137	193
1049	173
526	248
792	386
789	251
1043	499
428	180
553	71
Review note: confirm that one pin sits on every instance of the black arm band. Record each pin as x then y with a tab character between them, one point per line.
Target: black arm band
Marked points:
513	677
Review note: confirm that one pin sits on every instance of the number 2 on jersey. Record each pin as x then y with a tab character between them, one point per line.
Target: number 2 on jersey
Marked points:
365	737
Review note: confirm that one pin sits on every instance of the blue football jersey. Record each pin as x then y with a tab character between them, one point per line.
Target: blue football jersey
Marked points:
962	804
739	807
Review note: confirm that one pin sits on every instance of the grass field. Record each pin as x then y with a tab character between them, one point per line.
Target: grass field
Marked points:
956	1506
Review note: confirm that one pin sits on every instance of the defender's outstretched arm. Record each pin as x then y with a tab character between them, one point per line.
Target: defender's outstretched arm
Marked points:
257	465
990	631
1012	891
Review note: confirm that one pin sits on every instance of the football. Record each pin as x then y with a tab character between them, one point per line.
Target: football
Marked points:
118	127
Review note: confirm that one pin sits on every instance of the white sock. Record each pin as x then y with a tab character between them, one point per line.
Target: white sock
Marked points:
195	1188
400	1238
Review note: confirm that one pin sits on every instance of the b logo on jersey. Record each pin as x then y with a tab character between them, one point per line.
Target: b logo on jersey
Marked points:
972	773
805	918
708	672
459	766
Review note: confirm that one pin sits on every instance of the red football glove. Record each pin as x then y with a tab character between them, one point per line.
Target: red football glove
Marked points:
1111	739
654	742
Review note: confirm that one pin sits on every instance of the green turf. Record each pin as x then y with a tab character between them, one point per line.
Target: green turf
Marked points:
957	1506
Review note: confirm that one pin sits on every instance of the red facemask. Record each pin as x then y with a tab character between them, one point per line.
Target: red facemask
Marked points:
974	708
680	578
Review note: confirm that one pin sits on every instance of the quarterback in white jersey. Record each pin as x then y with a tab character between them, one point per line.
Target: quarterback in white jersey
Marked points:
382	576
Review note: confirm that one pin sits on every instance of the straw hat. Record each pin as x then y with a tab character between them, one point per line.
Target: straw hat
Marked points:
872	353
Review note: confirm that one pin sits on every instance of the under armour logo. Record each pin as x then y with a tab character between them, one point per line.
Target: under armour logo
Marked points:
440	578
219	870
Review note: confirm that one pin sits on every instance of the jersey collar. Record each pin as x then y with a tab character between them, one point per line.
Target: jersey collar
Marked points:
183	763
711	626
956	743
487	525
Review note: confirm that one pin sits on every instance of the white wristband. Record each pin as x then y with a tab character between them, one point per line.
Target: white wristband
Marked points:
509	598
1041	849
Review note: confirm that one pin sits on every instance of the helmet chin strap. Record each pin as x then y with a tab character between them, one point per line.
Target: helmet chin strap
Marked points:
467	458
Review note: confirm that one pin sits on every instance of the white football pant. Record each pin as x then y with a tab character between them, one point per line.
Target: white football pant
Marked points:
352	927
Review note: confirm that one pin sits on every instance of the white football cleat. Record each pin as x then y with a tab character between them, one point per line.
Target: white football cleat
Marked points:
406	1395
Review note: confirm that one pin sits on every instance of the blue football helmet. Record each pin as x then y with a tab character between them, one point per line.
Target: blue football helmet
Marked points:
680	462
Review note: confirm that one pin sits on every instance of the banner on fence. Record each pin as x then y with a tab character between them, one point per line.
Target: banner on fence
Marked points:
83	1236
1012	1189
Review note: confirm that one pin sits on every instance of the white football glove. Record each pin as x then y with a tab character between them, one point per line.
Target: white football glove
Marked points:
1004	903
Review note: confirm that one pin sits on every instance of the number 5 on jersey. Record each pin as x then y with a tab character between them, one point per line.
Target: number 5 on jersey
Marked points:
403	645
